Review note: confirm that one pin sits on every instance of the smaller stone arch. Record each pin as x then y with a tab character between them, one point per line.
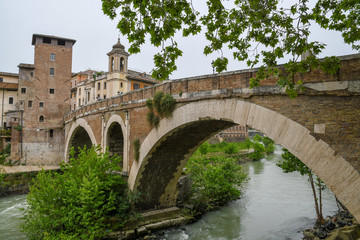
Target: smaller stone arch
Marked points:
79	128
113	127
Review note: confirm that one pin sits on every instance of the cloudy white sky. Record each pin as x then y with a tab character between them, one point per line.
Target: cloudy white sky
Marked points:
95	34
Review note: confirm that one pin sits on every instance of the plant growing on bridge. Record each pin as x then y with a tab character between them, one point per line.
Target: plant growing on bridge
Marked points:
136	149
77	202
258	32
164	104
291	163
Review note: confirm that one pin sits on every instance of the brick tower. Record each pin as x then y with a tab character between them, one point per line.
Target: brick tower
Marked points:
43	94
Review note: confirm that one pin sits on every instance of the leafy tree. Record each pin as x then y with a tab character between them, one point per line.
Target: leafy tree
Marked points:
291	163
256	31
231	148
214	180
258	153
204	148
77	202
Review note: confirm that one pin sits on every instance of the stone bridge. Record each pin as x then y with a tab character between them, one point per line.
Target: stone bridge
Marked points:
321	127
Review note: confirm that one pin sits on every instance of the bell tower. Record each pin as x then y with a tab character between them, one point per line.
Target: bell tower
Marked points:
118	58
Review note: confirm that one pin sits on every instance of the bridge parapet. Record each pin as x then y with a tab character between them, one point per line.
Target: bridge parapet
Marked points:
345	82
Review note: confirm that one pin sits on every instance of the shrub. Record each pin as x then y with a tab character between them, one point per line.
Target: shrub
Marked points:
167	105
137	149
76	202
257	138
149	104
157	101
231	149
258	153
214	180
204	148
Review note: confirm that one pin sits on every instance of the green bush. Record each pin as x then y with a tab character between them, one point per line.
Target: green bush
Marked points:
231	148
157	101
214	180
167	105
204	148
149	104
76	202
258	153
257	138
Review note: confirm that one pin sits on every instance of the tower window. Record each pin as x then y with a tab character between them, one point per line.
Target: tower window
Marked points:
104	85
52	56
112	63
98	86
52	71
31	74
52	91
51	132
1	79
11	100
41	118
23	90
122	63
61	42
47	40
41	104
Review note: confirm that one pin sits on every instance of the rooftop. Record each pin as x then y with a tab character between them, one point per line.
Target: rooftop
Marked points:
50	36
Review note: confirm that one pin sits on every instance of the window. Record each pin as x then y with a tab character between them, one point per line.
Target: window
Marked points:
121	84
79	102
52	91
51	132
104	96
41	118
104	85
41	104
79	92
30	103
1	79
47	40
122	63
61	42
136	86
11	100
98	96
52	56
52	71
31	74
23	90
98	86
88	97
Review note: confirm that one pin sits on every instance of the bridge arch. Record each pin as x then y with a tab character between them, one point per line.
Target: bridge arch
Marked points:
116	139
163	172
80	134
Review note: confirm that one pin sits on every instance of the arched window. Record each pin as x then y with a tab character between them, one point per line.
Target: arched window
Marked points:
41	118
112	63
122	64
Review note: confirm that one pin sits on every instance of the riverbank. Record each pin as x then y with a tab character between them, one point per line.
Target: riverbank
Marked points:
14	180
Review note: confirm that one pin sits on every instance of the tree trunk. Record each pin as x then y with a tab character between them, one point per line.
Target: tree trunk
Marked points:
320	200
319	217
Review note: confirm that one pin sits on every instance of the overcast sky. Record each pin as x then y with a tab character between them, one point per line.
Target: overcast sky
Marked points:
95	34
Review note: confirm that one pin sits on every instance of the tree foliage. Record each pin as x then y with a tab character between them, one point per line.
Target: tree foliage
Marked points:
291	163
258	32
214	180
76	202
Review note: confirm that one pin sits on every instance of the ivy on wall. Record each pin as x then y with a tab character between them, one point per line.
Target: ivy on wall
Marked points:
163	104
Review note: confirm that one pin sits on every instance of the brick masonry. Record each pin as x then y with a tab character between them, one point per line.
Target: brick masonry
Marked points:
321	126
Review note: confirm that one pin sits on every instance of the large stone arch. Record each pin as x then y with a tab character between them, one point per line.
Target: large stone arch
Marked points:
116	119
333	169
79	124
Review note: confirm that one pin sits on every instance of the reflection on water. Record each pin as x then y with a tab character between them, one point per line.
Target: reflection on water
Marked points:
10	215
274	206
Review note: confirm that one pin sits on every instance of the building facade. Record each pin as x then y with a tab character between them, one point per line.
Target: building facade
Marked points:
90	86
43	100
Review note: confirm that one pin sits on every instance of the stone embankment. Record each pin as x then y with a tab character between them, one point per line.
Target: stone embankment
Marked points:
342	226
16	179
150	222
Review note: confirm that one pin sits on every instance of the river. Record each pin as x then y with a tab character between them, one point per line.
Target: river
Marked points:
274	206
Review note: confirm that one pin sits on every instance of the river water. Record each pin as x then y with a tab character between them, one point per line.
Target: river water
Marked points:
274	206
